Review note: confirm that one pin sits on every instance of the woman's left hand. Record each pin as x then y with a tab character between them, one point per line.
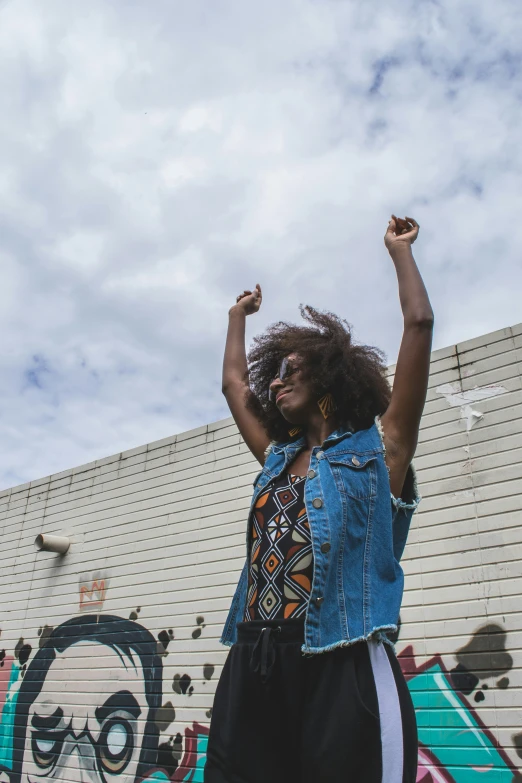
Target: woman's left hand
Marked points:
401	232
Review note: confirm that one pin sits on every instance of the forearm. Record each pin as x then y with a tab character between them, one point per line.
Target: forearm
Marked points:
415	303
235	365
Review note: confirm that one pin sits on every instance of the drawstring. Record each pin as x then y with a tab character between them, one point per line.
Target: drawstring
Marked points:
265	646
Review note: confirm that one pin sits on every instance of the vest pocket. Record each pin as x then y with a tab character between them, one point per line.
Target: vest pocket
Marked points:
355	474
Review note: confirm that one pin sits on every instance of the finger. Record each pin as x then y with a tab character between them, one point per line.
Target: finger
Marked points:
413	222
403	226
391	225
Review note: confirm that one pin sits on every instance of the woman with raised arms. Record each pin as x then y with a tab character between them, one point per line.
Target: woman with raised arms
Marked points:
312	691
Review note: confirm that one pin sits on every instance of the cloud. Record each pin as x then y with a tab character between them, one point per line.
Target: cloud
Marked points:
159	158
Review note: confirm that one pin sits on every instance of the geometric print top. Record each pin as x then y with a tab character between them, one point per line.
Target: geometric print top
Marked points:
281	562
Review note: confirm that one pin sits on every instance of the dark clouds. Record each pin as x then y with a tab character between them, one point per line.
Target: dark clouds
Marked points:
156	159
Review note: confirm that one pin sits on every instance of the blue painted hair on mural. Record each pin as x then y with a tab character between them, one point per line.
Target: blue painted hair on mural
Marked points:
124	637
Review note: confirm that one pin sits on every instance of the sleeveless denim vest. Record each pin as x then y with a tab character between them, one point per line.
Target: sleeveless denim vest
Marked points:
358	531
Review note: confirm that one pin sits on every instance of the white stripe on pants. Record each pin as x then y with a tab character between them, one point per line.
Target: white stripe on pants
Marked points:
390	714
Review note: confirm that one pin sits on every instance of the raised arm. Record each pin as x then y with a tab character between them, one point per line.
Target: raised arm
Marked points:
401	420
235	374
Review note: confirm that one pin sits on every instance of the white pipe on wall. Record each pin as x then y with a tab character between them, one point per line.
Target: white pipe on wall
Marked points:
59	544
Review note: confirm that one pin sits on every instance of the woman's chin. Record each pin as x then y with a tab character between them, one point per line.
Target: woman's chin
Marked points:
290	420
285	410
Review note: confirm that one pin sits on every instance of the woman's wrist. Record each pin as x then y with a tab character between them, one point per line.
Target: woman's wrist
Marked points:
400	250
237	311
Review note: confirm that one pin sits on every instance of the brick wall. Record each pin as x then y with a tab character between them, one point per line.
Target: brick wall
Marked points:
158	537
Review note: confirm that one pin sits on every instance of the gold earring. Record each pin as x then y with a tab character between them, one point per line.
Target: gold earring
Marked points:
326	405
294	431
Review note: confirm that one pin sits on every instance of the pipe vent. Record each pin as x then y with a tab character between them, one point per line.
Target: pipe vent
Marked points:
59	544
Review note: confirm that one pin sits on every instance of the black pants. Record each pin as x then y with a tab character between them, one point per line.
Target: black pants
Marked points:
281	717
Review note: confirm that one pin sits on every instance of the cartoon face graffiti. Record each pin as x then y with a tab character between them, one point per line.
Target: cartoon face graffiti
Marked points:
93	722
101	737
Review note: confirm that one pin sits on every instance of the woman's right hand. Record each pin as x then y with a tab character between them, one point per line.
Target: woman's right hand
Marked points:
249	301
235	384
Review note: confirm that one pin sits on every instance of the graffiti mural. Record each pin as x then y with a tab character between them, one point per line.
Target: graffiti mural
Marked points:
88	704
454	744
89	707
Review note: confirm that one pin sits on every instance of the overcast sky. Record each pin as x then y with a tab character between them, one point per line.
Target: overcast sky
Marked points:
158	157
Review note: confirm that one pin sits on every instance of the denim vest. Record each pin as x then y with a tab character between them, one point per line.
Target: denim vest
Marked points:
358	531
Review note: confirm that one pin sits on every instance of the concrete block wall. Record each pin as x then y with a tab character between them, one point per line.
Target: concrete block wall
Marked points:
158	542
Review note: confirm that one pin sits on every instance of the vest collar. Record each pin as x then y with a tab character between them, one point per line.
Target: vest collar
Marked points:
293	447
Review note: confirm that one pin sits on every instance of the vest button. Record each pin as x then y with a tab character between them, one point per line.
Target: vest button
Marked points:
311	474
320	454
317	503
319	601
355	461
326	547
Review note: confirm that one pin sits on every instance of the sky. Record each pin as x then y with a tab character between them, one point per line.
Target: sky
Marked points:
157	158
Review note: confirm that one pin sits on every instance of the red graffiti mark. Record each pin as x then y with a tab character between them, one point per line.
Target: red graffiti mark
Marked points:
409	667
187	768
94	597
5	676
190	756
429	769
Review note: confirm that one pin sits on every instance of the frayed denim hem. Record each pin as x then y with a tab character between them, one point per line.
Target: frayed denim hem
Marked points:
269	448
385	640
380	430
378	634
398	502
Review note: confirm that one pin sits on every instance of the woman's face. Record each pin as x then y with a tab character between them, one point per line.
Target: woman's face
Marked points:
292	391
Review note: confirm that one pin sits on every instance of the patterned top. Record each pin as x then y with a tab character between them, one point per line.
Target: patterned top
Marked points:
281	561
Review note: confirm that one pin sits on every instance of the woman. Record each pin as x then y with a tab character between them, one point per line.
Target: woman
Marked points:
311	690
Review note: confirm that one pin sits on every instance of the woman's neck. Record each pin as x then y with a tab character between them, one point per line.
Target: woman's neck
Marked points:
318	429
